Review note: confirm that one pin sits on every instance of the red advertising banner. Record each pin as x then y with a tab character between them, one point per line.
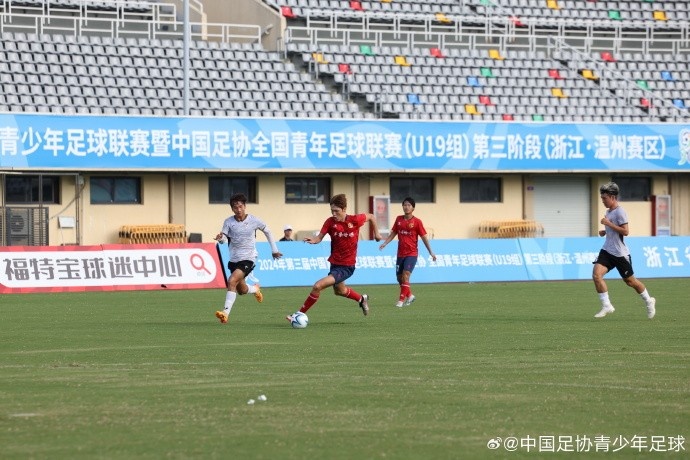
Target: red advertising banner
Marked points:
113	267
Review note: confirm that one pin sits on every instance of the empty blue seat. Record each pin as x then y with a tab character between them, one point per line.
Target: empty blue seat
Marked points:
666	75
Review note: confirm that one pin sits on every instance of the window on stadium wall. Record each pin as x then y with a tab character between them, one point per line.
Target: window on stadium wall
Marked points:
115	190
32	189
634	188
307	190
221	188
480	190
421	189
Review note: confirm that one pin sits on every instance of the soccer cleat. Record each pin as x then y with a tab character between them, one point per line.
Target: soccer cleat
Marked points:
605	310
410	299
651	307
364	304
399	304
259	296
222	317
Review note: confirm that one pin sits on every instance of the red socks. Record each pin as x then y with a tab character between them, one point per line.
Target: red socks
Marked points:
311	300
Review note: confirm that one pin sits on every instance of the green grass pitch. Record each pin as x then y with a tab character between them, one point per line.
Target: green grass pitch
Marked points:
128	375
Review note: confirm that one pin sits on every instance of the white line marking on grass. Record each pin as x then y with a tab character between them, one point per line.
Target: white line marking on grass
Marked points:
26	414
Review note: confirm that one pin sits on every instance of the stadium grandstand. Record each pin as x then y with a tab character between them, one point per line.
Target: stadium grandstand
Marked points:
467	60
490	61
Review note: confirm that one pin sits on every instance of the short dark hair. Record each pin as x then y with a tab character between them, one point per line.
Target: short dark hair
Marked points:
339	201
238	197
610	188
409	200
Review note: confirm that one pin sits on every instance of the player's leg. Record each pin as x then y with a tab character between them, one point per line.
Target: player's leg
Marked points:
314	294
408	267
625	266
340	274
235	279
598	273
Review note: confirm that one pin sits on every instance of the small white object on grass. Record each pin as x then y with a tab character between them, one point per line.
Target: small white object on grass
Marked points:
261	398
250	402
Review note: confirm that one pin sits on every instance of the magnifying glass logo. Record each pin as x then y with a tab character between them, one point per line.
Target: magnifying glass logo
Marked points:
197	262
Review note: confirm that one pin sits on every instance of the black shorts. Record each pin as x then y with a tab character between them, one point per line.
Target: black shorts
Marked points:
341	272
622	264
406	263
245	265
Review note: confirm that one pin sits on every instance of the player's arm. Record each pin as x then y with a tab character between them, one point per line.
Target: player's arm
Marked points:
375	228
425	240
620	229
269	236
222	237
390	238
315	239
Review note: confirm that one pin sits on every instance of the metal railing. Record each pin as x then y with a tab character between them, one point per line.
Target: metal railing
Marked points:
415	31
155	28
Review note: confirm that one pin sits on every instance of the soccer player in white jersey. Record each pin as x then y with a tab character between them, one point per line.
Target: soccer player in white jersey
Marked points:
239	231
615	254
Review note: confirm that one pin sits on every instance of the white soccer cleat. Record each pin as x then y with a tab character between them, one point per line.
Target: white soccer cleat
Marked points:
605	310
364	304
399	304
410	299
651	307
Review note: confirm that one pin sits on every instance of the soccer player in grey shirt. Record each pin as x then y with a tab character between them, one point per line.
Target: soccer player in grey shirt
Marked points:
615	254
239	231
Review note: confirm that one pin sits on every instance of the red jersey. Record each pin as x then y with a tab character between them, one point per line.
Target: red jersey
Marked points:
344	238
408	232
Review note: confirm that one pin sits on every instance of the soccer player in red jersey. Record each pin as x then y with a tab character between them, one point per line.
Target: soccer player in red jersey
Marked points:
344	232
408	228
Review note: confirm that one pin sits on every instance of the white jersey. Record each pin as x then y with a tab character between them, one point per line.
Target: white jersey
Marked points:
242	237
614	244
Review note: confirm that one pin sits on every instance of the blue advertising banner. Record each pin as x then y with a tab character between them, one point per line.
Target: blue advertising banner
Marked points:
474	260
82	142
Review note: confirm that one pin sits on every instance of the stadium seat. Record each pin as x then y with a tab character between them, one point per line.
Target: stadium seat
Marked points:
471	109
615	15
607	56
642	84
555	74
366	50
356	5
558	92
495	54
287	12
442	18
660	15
666	75
413	99
485	100
589	74
402	61
486	72
507	117
473	82
344	68
437	53
679	103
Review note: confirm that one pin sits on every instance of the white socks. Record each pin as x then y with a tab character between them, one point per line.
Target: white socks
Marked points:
229	301
604	298
645	295
252	288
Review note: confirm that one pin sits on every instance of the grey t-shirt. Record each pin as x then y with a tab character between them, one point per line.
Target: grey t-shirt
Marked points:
614	243
242	237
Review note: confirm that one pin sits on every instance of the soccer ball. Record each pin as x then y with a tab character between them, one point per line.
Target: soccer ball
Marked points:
299	320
